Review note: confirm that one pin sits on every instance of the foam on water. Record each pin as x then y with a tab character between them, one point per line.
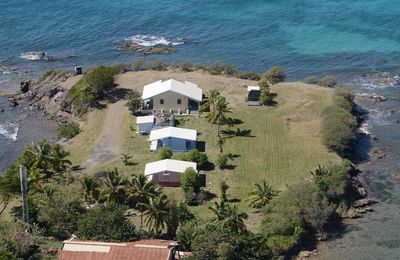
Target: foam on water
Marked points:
9	131
33	55
153	40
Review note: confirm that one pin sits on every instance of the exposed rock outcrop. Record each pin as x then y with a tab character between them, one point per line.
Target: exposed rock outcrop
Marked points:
146	49
46	95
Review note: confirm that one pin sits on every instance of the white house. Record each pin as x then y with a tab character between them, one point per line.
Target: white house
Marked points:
167	172
172	96
144	124
175	138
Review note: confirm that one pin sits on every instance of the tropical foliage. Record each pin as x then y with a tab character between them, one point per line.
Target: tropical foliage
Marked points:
261	195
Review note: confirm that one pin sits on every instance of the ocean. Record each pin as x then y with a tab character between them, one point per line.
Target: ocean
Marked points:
357	41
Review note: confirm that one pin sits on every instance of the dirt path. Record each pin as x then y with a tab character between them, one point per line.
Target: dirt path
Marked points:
108	145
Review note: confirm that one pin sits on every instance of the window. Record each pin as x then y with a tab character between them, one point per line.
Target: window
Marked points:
161	101
179	101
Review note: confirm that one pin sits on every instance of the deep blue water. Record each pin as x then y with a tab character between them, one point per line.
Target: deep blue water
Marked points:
306	37
345	38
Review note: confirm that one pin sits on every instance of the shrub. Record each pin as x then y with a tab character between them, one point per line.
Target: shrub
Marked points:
275	74
266	97
134	102
190	181
338	129
96	84
222	161
195	156
164	153
344	97
68	130
328	81
249	75
107	224
311	80
263	83
185	235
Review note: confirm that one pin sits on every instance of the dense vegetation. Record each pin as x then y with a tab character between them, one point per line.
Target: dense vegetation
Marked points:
339	126
93	86
68	130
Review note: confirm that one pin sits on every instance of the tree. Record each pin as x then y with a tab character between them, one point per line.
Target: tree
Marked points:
265	96
16	240
218	114
127	159
140	190
195	156
328	81
261	195
114	188
211	99
221	141
185	235
164	153
222	161
106	223
233	219
190	181
156	214
223	187
134	102
90	188
275	75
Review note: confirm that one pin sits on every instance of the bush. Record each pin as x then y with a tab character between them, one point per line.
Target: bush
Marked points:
96	84
134	102
328	81
263	83
107	224
190	181
164	153
68	130
195	156
222	161
186	234
266	97
344	97
311	80
275	74
338	129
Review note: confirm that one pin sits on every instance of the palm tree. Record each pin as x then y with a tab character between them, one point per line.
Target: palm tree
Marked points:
234	220
211	99
217	116
40	156
261	195
157	214
90	188
140	190
221	142
36	179
227	215
59	161
114	188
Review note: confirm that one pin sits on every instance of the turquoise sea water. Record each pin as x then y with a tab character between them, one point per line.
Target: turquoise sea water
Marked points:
307	37
351	39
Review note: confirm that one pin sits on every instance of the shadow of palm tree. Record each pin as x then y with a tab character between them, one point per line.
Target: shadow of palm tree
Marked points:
228	133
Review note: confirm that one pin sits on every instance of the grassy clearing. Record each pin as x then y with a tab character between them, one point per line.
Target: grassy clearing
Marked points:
81	146
283	146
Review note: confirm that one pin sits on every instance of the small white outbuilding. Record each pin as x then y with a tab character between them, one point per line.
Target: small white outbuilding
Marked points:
167	172
144	124
175	138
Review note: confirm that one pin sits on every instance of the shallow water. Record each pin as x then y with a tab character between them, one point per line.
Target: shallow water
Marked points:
345	38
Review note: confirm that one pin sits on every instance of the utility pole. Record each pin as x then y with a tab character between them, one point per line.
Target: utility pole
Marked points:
24	192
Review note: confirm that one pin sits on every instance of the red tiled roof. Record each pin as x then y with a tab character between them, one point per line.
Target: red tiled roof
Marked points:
139	250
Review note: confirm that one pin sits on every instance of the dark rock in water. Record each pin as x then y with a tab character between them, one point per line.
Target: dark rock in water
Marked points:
25	84
146	49
13	102
1	110
397	121
378	153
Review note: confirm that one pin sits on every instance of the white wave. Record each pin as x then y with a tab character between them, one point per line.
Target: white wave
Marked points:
376	81
9	131
364	128
34	55
153	40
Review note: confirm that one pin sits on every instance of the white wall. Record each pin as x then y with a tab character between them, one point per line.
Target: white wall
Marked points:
177	144
144	128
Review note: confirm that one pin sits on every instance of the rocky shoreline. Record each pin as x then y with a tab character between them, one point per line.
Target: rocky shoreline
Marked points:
146	49
44	95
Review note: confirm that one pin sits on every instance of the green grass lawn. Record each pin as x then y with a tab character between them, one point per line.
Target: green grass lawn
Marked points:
282	147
